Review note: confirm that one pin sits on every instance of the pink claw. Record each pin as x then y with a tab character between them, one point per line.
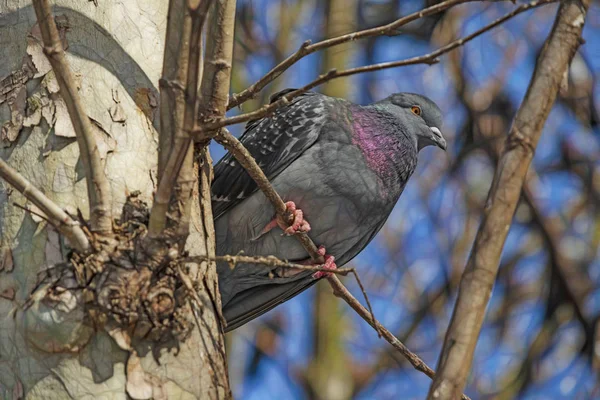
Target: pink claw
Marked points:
299	224
329	264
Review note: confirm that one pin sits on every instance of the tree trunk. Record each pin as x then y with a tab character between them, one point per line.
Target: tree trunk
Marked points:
115	51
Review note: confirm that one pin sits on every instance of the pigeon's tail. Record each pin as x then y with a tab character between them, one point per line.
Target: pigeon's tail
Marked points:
256	300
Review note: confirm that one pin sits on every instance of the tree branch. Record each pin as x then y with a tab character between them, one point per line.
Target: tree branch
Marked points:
202	131
56	216
174	76
268	262
217	62
98	188
340	291
213	102
479	275
182	144
243	156
246	160
307	48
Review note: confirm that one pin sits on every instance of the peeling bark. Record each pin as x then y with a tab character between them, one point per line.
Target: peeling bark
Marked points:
52	347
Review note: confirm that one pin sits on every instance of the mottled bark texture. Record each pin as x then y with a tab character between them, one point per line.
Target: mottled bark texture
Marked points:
48	348
482	267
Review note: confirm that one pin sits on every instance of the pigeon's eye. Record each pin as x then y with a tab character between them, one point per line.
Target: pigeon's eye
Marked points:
416	110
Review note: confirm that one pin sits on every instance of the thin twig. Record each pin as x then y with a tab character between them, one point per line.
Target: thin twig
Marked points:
268	262
201	132
420	365
33	212
274	262
98	187
307	48
56	216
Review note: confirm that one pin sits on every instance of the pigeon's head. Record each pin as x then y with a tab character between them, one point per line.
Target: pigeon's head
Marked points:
421	114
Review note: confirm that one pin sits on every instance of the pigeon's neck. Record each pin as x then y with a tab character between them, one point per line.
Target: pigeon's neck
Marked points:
387	149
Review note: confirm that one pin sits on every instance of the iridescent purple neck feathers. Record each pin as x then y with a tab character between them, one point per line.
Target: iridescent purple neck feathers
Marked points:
387	150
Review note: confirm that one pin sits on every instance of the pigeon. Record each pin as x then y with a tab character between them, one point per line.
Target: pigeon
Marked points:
340	167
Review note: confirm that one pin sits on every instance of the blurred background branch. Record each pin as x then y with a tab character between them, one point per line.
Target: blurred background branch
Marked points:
536	338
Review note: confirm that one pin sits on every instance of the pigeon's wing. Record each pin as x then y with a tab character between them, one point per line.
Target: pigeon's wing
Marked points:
264	293
274	142
257	300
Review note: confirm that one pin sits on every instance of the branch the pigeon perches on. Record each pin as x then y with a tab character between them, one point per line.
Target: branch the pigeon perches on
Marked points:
249	164
241	154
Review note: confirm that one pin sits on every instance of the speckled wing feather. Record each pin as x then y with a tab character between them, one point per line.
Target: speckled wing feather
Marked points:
274	142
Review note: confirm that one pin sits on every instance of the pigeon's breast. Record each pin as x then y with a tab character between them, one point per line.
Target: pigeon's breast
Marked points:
385	150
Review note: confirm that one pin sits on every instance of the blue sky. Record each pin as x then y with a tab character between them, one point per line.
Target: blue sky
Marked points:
426	225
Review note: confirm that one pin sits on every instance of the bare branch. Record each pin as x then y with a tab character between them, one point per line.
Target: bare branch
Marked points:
182	143
173	79
247	161
272	261
56	216
214	91
431	58
307	48
217	62
243	156
268	262
481	269
98	188
341	291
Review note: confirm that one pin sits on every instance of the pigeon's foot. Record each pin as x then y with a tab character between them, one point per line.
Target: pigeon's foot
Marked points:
328	264
298	225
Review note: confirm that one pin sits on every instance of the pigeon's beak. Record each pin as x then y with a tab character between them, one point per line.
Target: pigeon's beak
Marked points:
438	138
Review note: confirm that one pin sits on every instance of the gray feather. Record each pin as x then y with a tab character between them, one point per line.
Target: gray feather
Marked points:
344	165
